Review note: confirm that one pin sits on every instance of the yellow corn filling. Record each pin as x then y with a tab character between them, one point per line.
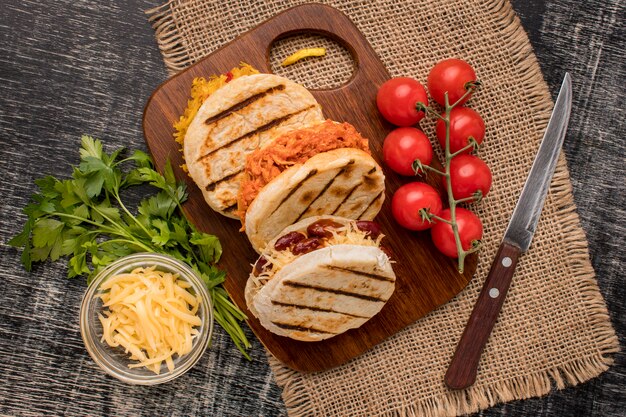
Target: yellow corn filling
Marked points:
303	53
201	89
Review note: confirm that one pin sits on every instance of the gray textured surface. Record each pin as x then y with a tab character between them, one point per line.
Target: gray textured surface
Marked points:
69	68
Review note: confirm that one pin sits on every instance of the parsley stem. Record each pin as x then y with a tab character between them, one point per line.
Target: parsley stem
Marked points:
81	215
121	161
138	244
231	307
231	329
124	231
119	201
82	219
118	230
227	315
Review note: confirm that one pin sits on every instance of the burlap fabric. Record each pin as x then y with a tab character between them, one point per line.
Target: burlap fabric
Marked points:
554	328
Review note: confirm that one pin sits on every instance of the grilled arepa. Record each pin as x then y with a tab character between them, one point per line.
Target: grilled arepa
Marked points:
335	285
238	118
322	169
344	182
292	148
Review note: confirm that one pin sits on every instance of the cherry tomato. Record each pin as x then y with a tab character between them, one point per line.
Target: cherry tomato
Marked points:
396	100
450	75
464	122
468	174
404	145
470	229
409	199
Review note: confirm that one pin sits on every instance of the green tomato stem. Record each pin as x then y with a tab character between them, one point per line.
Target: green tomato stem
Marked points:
448	158
470	87
471	145
430	111
465	200
439	219
435	170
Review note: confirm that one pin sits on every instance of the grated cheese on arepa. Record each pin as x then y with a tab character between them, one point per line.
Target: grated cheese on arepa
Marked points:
347	235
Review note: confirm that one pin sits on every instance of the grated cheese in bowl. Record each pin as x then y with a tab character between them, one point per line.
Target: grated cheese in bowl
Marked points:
146	319
151	315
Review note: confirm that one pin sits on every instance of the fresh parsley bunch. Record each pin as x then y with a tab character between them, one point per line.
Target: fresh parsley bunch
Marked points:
84	218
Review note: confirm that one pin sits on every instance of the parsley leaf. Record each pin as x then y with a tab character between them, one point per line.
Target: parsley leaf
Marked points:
209	246
84	219
90	147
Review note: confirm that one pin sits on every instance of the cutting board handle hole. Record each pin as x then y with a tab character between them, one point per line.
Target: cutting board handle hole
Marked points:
331	71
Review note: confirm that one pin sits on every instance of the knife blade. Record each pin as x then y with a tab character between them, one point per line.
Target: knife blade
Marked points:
463	368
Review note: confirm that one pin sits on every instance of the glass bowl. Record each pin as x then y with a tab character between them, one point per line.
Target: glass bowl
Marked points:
114	360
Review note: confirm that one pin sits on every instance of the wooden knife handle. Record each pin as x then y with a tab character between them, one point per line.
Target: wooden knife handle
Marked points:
464	366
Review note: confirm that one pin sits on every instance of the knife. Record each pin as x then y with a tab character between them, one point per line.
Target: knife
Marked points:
464	365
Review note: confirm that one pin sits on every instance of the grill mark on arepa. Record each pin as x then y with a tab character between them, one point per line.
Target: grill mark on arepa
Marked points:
345	199
371	171
288	326
363	274
230	209
243	104
323	310
294	189
334	291
211	186
326	187
380	194
263	128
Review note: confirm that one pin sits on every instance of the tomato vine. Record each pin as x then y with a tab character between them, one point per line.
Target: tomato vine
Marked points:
470	87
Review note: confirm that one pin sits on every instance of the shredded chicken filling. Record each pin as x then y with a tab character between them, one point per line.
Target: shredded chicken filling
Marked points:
293	148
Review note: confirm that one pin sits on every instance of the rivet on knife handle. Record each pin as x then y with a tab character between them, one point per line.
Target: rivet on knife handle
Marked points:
464	366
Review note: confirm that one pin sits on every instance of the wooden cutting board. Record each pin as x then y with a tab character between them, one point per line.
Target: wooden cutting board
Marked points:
425	278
